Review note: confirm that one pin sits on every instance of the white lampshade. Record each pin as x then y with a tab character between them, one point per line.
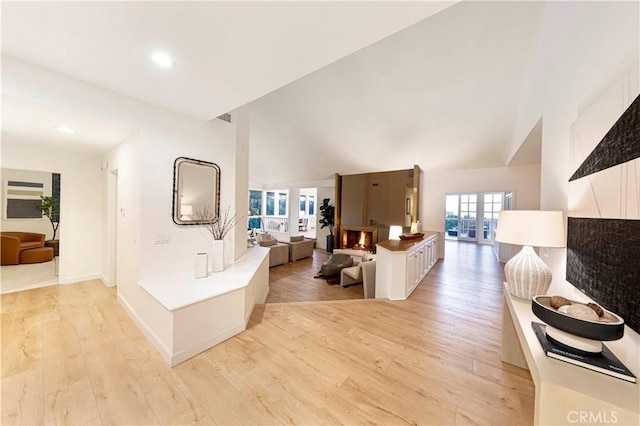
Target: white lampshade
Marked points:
536	228
394	232
527	275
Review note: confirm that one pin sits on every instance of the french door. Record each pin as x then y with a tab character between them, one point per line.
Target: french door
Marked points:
467	217
474	216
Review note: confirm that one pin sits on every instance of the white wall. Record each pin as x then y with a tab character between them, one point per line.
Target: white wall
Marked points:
81	242
584	48
41	225
144	166
241	118
524	181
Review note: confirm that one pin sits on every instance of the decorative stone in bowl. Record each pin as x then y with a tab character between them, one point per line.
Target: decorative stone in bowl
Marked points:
576	324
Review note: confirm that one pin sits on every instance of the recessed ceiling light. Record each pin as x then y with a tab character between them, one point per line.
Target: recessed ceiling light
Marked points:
65	129
162	59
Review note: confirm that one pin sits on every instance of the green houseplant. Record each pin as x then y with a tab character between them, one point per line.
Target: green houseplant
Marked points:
327	211
50	208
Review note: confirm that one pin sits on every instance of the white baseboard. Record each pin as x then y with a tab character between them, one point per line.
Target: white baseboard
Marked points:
105	281
80	278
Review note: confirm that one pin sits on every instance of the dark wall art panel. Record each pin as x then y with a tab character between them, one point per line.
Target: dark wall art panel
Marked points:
619	145
603	261
22	199
23	209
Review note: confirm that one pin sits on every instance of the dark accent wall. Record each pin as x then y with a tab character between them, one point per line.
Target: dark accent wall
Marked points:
619	145
603	261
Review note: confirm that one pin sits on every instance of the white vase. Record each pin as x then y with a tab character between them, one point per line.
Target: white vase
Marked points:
217	256
527	275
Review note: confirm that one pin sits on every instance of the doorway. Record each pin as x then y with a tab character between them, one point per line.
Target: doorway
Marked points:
307	215
31	207
473	216
112	228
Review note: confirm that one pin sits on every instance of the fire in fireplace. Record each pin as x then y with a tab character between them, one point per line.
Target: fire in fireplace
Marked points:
359	238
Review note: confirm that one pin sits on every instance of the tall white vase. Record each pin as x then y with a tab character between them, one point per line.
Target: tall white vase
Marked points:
217	256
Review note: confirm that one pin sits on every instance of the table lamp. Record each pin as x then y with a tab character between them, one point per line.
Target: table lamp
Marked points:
527	275
394	232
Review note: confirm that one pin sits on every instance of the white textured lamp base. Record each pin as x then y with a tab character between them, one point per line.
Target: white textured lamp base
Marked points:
527	275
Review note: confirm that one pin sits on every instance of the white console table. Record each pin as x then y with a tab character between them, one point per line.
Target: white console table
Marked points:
567	394
186	316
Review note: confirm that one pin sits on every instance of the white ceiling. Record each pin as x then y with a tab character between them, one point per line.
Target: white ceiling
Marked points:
439	91
36	122
443	94
226	53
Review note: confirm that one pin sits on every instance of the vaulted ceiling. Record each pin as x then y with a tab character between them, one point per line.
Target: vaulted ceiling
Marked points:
343	87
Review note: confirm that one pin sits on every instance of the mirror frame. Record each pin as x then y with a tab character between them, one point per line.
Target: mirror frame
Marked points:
176	195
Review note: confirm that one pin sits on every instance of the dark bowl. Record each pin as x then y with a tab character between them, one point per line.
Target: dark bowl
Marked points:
541	307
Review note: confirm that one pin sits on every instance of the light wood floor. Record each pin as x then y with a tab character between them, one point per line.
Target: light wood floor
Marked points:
293	282
28	276
70	355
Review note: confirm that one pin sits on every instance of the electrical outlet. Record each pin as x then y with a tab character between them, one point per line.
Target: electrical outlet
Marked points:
545	251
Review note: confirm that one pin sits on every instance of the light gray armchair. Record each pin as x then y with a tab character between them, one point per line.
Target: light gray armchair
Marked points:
369	278
278	252
351	275
300	247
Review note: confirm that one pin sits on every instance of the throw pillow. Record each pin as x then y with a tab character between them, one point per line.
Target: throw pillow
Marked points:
296	238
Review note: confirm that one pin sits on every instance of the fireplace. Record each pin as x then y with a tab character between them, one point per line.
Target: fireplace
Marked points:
359	238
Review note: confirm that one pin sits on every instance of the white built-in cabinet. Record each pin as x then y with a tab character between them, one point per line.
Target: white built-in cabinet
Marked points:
401	265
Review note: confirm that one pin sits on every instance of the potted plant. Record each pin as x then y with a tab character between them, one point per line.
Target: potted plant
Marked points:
49	207
327	211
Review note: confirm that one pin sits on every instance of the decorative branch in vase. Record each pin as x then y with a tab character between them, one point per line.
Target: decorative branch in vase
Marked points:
218	226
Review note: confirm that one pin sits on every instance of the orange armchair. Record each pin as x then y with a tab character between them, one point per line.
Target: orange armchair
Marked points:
13	243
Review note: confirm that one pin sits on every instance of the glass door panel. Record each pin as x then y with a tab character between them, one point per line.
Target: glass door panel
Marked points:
493	203
451	216
467	217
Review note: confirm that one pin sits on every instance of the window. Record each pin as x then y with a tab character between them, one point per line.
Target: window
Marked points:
282	204
255	202
271	199
492	206
277	203
303	203
255	209
312	207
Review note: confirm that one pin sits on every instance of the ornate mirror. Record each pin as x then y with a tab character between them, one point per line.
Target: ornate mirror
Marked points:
196	191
